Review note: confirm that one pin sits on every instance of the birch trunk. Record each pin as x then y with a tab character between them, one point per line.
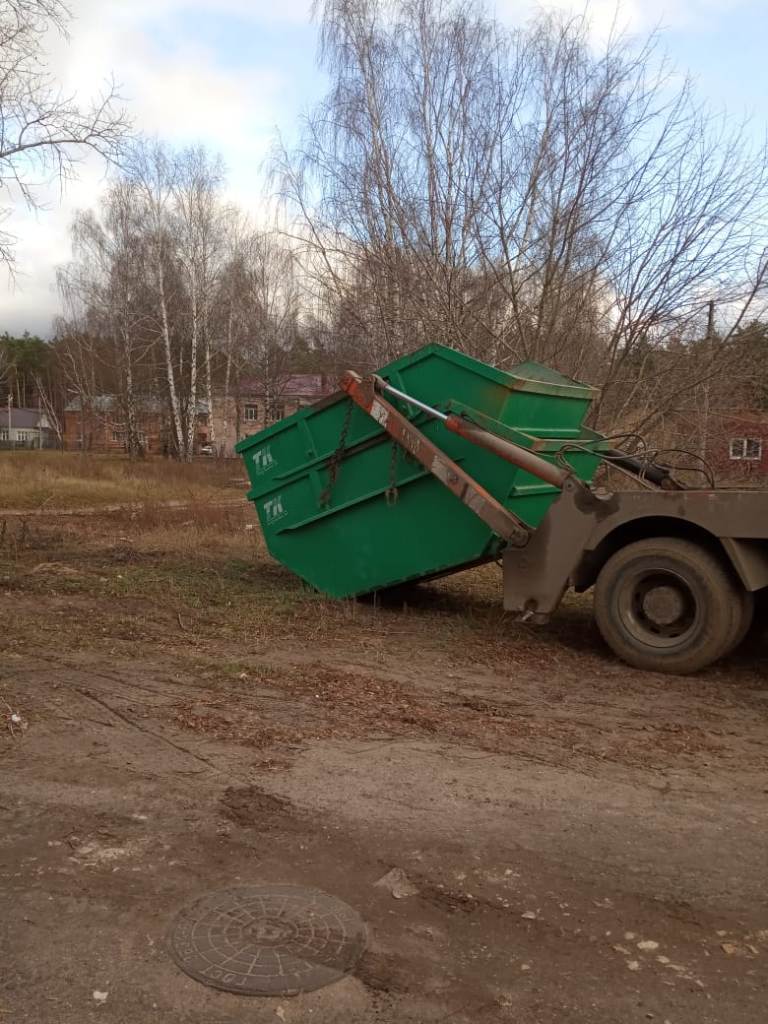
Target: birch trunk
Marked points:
173	398
209	391
49	409
192	404
135	449
227	377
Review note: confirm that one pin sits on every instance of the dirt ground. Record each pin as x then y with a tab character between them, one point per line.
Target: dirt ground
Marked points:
588	842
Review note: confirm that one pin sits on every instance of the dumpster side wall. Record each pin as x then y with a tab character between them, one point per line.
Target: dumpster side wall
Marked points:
384	520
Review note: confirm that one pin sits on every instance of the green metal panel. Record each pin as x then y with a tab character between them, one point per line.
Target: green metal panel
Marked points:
360	540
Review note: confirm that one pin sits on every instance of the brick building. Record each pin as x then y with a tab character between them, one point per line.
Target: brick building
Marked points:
100	427
742	449
252	409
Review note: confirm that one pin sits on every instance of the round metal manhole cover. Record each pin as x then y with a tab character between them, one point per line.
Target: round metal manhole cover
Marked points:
267	940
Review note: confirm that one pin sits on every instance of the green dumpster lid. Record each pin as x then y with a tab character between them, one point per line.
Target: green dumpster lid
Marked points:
526	376
535	372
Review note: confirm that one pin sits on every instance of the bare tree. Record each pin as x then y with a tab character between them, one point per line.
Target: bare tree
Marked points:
77	351
108	275
49	406
231	319
522	196
147	281
270	307
200	242
152	171
43	132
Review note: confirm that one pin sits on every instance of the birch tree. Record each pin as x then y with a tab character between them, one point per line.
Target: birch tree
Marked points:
200	240
231	320
153	173
78	359
109	250
270	309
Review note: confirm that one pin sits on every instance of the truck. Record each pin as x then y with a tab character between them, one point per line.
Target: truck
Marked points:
439	462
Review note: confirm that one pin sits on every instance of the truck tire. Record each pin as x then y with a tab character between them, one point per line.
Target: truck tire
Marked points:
669	605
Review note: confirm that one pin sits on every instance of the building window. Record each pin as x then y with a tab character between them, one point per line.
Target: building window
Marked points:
118	436
275	412
251	413
23	436
750	449
4	434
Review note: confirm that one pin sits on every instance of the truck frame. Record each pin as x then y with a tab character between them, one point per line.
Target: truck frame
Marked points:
675	570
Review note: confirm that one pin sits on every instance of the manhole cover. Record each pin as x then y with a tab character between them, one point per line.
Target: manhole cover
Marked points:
267	940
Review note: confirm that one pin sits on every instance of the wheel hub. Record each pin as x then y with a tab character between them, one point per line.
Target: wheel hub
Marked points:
657	607
663	605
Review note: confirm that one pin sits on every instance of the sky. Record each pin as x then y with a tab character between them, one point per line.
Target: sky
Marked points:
232	73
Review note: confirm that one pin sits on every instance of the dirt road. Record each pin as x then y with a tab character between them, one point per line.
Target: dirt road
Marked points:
588	842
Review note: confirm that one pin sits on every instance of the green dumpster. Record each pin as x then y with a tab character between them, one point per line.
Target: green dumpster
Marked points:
350	512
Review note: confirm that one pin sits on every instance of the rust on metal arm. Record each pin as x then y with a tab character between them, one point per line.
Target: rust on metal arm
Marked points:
521	457
458	481
513	453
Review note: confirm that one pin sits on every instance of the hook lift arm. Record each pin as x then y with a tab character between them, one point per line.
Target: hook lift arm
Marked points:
368	394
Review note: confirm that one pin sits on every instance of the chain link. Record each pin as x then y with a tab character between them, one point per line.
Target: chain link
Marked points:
336	459
392	493
334	463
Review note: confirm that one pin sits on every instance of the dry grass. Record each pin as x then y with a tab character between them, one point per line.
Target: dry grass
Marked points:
261	659
202	574
63	480
198	582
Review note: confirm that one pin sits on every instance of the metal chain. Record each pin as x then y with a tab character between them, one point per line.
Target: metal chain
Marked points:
392	493
336	459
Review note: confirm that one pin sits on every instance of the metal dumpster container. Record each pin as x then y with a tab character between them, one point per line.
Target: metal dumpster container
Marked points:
349	511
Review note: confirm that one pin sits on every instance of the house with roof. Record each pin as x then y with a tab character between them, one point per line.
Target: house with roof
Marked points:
25	428
99	425
255	405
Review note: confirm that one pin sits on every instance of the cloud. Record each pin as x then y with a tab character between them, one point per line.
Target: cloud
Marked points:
185	93
226	72
178	86
606	17
261	11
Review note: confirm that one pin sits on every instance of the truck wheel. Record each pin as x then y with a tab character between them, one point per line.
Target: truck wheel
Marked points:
668	605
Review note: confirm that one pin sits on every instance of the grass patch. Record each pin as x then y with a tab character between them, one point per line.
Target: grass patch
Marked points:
200	579
65	480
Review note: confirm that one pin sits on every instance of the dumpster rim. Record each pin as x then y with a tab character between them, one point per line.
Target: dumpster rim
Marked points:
504	378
